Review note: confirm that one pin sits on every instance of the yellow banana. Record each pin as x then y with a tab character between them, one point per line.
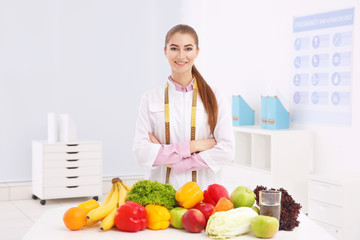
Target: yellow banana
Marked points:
91	222
127	187
109	221
104	210
108	196
122	194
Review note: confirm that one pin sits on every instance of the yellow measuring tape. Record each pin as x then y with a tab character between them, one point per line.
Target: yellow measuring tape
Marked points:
167	123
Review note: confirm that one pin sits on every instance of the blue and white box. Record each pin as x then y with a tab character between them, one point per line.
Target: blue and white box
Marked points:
243	114
263	113
277	115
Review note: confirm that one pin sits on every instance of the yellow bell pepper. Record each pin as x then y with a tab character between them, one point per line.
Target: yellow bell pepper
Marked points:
158	217
189	195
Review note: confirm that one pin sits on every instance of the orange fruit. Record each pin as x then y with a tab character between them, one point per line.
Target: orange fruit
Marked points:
75	218
89	205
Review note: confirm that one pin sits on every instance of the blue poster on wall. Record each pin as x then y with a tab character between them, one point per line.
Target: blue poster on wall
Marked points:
321	68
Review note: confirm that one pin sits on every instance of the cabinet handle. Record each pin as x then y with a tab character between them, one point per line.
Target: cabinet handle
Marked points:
72	160
72	152
72	145
72	177
72	186
72	167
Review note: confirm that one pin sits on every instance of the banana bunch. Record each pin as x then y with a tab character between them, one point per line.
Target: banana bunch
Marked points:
107	210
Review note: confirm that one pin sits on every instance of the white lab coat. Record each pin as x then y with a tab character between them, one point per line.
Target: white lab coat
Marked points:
151	118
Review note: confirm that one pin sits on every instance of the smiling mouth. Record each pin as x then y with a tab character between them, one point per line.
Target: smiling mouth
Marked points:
179	63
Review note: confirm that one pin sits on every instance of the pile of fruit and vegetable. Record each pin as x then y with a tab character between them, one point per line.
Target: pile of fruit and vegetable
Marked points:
156	206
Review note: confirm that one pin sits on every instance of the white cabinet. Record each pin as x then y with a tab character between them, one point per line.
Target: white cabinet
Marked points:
64	170
273	158
333	203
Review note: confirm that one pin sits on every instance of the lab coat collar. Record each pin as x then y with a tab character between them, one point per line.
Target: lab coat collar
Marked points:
180	88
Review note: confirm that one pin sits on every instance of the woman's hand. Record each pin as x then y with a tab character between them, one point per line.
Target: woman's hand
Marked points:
202	145
153	139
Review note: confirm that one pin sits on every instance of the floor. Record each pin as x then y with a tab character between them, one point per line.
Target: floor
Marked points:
18	216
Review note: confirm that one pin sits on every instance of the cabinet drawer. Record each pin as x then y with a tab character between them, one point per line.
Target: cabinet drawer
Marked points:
71	172
72	191
71	155
325	192
326	213
334	231
72	147
71	163
72	181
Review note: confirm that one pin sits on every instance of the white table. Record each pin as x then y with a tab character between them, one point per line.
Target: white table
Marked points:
50	226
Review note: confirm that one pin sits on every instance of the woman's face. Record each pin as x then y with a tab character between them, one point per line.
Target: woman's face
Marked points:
181	52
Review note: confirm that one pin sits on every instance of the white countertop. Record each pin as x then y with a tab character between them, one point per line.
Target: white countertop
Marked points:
50	226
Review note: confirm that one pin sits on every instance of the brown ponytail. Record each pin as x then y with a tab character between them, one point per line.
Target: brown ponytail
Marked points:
205	92
208	98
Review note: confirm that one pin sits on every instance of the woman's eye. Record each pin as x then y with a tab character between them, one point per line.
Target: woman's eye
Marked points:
173	49
188	49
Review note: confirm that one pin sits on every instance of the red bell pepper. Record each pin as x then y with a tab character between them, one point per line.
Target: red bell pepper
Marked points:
214	192
131	217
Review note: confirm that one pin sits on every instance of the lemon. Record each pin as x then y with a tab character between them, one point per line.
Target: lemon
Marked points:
89	205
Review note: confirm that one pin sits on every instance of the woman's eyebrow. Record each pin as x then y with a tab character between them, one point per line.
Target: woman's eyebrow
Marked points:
187	45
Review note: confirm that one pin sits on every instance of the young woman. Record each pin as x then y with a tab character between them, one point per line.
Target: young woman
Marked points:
184	129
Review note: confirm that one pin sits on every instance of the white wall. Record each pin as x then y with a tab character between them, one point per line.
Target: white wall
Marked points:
94	59
91	59
247	49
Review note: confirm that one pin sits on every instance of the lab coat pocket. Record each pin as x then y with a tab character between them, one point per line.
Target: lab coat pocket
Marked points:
157	118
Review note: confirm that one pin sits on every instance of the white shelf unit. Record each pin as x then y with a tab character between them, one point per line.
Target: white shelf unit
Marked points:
273	158
333	204
65	170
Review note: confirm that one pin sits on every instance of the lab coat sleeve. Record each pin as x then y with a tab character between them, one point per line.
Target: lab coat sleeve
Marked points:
172	153
192	163
145	151
223	152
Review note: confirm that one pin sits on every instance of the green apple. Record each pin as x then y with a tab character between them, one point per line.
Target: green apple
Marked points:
256	209
264	226
242	197
176	215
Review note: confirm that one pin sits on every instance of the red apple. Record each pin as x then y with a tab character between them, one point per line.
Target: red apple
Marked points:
194	220
214	192
205	208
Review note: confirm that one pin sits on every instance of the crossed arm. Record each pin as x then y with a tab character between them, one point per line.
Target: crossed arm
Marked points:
193	161
195	145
